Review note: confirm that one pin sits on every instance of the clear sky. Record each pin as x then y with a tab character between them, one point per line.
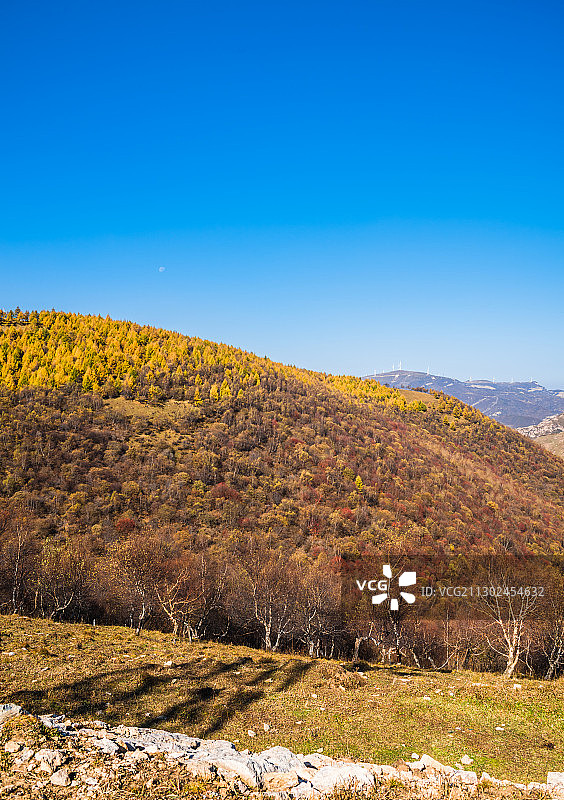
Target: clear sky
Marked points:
338	185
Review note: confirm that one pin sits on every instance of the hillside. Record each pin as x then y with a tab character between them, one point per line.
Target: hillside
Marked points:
215	691
137	463
517	404
549	433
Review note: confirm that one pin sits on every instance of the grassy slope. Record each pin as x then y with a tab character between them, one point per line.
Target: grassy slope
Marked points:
219	691
553	442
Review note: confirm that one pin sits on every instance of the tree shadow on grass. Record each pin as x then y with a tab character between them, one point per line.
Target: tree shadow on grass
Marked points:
145	695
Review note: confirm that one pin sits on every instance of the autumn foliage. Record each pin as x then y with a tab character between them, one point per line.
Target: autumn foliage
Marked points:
152	478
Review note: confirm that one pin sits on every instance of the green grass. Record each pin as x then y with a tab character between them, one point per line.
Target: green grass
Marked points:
222	691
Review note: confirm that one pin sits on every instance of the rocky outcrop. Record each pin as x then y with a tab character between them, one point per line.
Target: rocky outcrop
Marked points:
87	751
545	427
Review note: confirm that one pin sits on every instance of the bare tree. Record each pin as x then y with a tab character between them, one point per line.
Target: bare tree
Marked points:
61	578
508	606
190	589
266	591
317	607
135	570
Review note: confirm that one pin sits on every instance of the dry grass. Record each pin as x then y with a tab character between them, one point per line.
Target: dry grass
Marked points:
221	691
553	442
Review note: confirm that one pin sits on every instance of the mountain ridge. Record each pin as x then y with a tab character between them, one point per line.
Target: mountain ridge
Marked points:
518	404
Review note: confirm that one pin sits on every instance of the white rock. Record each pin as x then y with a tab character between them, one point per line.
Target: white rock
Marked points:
13	747
8	710
49	760
25	755
251	733
555	780
266	727
106	746
60	778
466	760
464	776
318	760
389	772
432	763
232	768
199	769
279	781
327	779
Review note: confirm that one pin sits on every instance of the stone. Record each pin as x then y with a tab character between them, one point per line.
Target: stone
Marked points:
276	771
328	779
9	710
251	733
49	760
232	769
25	755
279	781
200	769
138	755
555	782
60	778
389	772
279	759
107	746
465	777
318	760
428	761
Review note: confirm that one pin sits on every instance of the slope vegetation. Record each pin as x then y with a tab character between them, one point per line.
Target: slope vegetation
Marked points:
103	418
127	452
212	690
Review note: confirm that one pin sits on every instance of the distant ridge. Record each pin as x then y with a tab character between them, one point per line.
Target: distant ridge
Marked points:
518	404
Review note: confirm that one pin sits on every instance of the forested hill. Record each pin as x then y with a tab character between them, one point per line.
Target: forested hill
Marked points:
111	430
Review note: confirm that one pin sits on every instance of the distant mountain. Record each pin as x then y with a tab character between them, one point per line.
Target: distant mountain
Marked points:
549	433
518	405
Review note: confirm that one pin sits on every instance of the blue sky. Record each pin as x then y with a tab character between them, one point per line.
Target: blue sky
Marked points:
337	185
